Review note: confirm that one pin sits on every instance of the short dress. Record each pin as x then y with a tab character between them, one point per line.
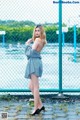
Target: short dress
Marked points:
34	65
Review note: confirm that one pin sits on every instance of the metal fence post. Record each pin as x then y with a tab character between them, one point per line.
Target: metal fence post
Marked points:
3	40
63	39
60	46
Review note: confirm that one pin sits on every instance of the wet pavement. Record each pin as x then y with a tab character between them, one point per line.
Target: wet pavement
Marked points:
18	108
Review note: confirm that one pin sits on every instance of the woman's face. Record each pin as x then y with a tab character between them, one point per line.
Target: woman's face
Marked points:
37	32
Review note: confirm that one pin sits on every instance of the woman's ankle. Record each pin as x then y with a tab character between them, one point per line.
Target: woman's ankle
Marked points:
39	106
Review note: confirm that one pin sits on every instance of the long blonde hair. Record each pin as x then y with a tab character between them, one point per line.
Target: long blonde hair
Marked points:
42	36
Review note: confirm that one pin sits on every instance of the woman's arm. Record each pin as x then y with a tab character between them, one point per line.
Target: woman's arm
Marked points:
28	47
29	41
36	44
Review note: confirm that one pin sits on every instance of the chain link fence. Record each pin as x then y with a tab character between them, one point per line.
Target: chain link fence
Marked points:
71	46
16	27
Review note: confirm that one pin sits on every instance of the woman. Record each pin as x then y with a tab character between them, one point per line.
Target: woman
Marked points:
34	67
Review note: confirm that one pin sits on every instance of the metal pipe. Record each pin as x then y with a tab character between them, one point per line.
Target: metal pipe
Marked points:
60	46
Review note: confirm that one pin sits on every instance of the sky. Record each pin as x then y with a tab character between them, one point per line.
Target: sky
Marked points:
39	11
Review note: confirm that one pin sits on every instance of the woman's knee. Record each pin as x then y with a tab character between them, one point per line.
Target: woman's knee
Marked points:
30	87
36	88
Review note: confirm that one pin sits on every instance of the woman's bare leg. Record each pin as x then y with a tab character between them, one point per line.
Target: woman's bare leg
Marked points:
39	103
31	87
36	95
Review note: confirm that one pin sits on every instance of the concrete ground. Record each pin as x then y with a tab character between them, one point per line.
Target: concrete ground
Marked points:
20	107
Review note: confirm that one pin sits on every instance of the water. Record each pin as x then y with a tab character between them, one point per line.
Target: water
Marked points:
13	63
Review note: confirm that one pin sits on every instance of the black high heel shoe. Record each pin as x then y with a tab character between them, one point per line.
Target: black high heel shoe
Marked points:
42	108
36	112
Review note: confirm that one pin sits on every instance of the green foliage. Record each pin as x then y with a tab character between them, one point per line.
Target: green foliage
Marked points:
8	97
78	35
17	34
51	35
21	31
13	23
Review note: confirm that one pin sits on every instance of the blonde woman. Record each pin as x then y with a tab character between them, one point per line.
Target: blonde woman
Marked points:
34	67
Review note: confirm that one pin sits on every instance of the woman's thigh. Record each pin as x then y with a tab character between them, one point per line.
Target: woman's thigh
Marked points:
34	80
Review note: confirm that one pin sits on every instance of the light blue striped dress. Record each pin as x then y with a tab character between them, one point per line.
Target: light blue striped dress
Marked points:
34	65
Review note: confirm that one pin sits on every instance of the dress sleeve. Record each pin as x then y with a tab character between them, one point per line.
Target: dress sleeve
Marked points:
28	50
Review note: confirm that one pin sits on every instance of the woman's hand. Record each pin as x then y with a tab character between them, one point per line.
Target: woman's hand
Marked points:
29	41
